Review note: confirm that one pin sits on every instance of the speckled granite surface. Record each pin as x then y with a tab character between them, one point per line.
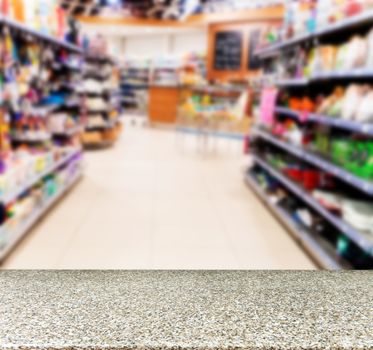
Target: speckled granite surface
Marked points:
186	310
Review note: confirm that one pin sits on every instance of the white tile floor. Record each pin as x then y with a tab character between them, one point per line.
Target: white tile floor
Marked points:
155	201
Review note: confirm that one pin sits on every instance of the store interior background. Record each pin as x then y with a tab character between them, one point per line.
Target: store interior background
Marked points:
161	184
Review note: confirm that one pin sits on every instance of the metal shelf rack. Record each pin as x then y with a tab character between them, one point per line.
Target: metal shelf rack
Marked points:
318	249
338	27
362	239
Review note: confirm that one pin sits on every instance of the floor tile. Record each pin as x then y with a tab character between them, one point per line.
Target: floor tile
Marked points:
158	200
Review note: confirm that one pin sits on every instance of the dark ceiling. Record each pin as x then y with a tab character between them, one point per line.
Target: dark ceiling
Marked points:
163	9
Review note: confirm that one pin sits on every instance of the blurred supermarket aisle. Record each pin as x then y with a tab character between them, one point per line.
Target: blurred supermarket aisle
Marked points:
156	202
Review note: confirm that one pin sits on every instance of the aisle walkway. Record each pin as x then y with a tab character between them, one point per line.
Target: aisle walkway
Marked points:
153	203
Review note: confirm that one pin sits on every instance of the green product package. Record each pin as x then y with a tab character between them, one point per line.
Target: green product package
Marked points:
322	143
343	244
341	151
50	187
353	160
365	168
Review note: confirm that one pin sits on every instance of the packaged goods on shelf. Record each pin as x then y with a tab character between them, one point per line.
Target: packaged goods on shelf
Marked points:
136	71
20	215
112	134
96	121
38	87
135	80
23	167
91	86
351	103
331	248
40	73
43	16
92	137
96	104
352	58
315	136
61	122
101	104
352	156
303	19
165	71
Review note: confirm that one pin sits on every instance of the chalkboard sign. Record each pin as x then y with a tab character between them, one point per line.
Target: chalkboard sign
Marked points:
228	51
253	60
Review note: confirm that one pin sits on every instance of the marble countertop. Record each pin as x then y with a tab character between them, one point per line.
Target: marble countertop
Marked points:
189	310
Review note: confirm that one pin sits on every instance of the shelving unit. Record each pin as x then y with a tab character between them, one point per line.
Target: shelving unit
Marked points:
10	238
39	35
360	184
325	254
135	81
358	73
165	71
7	199
364	240
319	251
349	125
107	132
68	161
363	19
292	82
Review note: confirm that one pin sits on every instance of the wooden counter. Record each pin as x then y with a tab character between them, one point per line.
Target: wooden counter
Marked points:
163	104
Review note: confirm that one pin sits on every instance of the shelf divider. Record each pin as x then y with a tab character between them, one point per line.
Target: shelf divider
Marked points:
351	125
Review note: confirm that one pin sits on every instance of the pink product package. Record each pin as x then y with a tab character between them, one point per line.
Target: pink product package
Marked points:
267	105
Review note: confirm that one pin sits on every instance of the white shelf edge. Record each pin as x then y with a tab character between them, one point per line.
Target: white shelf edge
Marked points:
355	126
42	36
345	74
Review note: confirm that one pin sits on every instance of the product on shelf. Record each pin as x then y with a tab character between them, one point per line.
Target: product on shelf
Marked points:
353	56
91	86
356	156
38	81
44	16
38	76
96	121
353	102
304	18
101	100
61	122
34	201
135	80
310	226
23	166
315	139
165	71
96	104
357	213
